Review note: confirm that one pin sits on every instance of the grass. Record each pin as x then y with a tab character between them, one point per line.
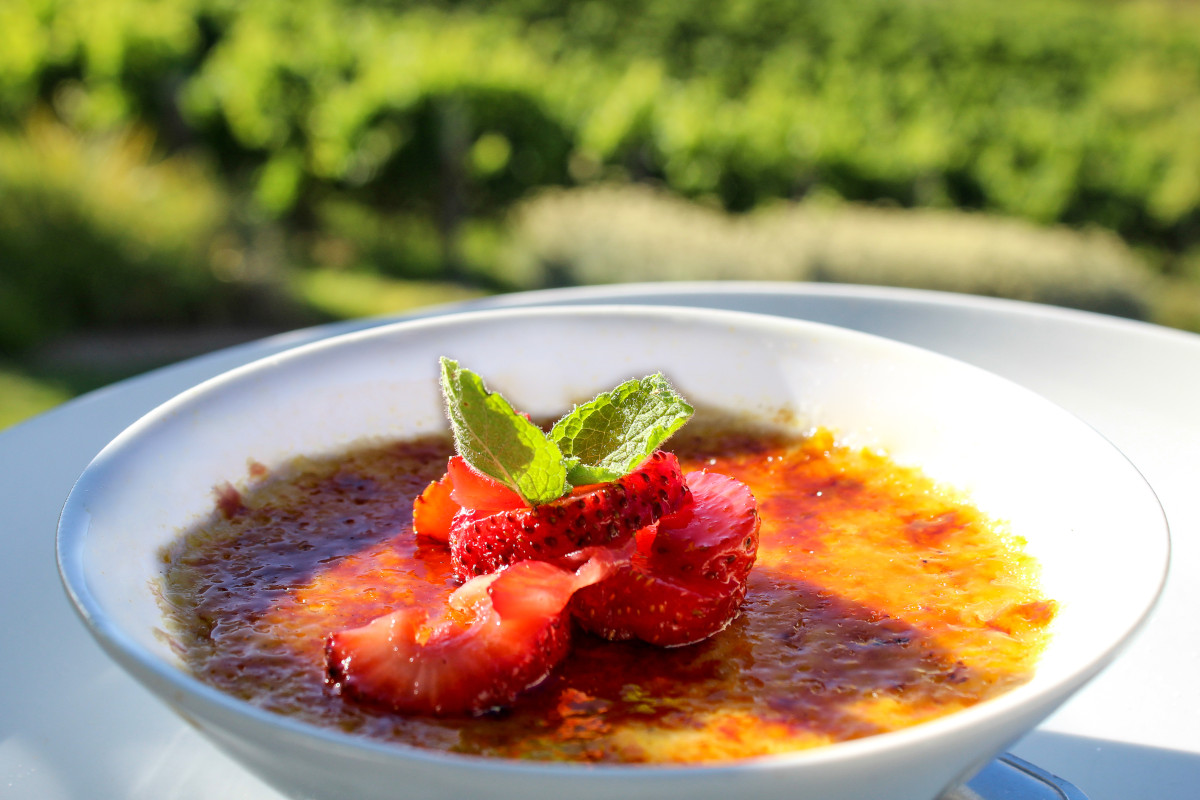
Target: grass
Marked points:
342	294
23	396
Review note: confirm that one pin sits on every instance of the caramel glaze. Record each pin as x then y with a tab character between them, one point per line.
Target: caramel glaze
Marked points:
879	600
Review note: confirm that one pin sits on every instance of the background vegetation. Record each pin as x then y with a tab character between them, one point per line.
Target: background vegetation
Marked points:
210	162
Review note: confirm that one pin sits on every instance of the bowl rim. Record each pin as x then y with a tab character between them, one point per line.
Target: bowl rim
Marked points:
74	522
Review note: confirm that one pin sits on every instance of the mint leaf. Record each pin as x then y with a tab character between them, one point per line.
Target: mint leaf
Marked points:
614	433
597	442
497	441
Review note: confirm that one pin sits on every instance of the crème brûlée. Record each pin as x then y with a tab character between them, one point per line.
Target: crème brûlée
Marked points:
879	600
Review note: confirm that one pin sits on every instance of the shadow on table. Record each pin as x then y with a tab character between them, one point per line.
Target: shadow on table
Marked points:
1108	770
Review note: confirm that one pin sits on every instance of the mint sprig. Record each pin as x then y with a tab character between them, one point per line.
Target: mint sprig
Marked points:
615	432
599	441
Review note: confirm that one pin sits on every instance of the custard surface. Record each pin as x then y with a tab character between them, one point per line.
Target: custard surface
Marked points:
879	600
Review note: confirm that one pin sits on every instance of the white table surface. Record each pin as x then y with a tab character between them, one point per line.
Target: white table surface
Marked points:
72	725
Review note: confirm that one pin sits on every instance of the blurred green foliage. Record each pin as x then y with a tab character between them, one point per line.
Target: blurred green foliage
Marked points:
1071	111
101	231
159	159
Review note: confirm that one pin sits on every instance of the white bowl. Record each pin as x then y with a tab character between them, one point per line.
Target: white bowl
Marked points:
1087	515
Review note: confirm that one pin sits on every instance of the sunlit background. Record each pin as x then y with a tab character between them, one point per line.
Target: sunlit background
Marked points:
176	175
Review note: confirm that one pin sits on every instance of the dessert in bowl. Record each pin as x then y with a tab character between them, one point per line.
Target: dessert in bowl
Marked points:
1082	510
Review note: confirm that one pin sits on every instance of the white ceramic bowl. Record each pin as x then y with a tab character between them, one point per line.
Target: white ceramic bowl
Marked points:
1087	514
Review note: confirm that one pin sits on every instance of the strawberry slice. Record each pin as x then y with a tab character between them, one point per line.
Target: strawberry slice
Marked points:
605	514
472	489
714	538
434	510
501	634
689	575
461	487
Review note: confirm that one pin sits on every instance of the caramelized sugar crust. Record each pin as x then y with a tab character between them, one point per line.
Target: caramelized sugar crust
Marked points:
879	600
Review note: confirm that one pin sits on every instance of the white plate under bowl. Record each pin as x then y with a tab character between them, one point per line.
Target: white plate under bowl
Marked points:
1085	511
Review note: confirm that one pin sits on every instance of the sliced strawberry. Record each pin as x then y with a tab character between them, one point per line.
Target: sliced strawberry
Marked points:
472	489
434	510
501	634
461	487
715	538
634	604
689	575
603	514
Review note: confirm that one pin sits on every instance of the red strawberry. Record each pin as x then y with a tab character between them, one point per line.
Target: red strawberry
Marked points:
461	487
502	633
721	546
472	489
434	510
689	575
602	514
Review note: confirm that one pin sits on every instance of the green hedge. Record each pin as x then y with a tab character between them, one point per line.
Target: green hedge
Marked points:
1075	111
631	234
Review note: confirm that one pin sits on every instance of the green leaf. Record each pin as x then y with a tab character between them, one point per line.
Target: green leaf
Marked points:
614	433
496	440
